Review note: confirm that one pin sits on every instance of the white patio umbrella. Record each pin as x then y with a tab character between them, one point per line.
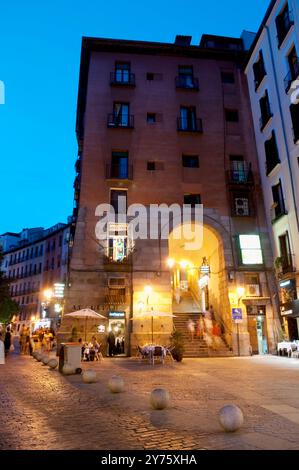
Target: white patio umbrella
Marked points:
152	314
85	314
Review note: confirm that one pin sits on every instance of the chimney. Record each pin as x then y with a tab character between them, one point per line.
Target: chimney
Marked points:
182	40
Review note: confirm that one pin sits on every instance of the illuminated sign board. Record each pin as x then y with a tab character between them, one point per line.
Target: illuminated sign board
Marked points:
117	314
59	290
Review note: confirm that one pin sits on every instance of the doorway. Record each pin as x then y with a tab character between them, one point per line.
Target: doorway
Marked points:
257	331
117	327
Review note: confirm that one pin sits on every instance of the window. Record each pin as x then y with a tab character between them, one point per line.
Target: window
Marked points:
266	113
36	251
228	77
154	165
41	250
52	263
53	245
231	115
40	268
190	161
185	78
121	116
187	120
284	22
252	283
122	72
271	151
151	118
294	110
60	240
278	201
259	70
119	244
119	165
285	252
251	251
293	65
192	199
118	200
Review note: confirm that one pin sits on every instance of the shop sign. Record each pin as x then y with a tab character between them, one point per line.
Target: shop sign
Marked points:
117	314
286	312
237	315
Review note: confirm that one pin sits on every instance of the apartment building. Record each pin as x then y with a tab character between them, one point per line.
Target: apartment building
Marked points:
171	124
36	265
272	70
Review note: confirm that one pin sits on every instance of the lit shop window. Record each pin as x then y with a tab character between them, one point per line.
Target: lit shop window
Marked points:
251	251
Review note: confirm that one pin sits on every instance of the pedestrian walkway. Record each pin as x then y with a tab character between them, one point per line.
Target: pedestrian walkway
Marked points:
41	409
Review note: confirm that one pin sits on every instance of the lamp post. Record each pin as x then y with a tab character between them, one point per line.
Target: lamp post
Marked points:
148	290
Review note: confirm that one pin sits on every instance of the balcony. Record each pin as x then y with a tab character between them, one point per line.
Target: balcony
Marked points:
125	121
284	22
189	125
122	79
187	83
119	172
260	73
241	176
78	165
76	184
124	265
291	76
264	119
277	211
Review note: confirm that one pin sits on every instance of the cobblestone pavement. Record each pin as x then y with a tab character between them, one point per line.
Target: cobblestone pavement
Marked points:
41	409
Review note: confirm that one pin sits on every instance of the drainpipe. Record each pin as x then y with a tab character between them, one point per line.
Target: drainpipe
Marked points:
283	126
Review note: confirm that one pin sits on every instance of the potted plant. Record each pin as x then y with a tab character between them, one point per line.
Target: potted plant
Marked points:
177	345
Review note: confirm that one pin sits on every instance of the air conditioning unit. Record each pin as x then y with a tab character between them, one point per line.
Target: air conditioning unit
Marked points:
241	206
117	282
253	290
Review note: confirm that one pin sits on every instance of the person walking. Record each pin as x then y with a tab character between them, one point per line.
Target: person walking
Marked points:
2	350
191	328
7	341
111	343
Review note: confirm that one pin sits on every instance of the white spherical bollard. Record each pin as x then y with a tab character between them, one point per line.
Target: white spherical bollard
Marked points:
53	363
45	360
231	418
116	384
159	399
89	376
67	369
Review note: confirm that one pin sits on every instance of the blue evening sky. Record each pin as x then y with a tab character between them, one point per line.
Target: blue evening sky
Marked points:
40	45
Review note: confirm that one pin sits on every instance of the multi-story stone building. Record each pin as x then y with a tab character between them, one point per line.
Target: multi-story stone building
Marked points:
36	265
273	78
171	123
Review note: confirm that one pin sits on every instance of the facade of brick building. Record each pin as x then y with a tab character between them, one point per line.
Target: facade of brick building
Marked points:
171	124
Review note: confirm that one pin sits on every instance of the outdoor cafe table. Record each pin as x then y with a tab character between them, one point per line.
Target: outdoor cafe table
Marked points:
149	350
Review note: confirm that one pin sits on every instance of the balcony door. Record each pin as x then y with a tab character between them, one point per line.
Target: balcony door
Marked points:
121	113
119	165
188	118
122	72
186	77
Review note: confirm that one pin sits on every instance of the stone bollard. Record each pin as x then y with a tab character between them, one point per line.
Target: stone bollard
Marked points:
231	418
116	384
38	357
159	399
53	363
89	376
45	360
